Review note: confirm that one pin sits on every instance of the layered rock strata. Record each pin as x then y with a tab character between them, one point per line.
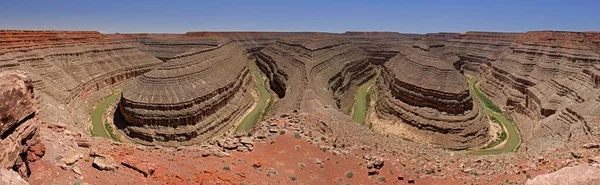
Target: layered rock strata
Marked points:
306	74
431	100
189	99
67	66
549	77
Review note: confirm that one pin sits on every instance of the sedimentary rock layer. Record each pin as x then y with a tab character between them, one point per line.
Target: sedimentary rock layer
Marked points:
189	99
548	76
66	65
314	73
432	101
167	46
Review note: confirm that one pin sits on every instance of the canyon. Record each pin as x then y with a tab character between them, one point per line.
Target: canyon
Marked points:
180	98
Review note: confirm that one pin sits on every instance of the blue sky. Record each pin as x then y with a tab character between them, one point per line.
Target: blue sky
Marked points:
173	16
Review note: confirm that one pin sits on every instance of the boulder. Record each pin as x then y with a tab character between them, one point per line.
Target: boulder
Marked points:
18	126
10	177
144	167
71	157
583	174
105	163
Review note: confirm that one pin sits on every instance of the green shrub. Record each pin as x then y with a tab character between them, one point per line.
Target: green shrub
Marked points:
349	174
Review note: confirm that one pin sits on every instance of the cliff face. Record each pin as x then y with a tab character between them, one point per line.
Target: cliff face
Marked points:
308	73
550	77
65	66
18	125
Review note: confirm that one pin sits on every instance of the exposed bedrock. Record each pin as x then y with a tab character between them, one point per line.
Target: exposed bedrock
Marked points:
307	74
189	99
18	125
539	59
67	66
550	77
431	100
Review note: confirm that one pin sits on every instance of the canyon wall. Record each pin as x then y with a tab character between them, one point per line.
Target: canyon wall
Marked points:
66	66
548	77
190	98
422	97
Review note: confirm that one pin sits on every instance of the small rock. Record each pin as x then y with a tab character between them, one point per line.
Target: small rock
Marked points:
257	165
144	167
370	165
318	161
36	152
95	153
63	166
378	164
71	156
591	145
83	143
222	154
411	181
372	171
242	148
576	155
76	170
273	131
247	141
336	152
272	171
104	163
400	177
595	160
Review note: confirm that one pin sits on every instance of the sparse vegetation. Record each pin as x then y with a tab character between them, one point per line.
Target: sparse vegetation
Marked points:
110	132
98	128
302	165
227	168
293	177
264	102
381	179
484	99
361	102
297	135
349	174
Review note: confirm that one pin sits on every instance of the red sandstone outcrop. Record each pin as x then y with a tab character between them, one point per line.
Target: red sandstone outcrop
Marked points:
18	126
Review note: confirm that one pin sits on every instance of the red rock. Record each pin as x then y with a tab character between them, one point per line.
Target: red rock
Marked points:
144	167
372	171
36	152
583	174
18	127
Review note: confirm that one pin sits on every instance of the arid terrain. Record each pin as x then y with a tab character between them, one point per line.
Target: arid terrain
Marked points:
81	107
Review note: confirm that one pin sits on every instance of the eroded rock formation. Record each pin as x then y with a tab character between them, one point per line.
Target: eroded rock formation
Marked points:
18	125
431	100
189	99
66	67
